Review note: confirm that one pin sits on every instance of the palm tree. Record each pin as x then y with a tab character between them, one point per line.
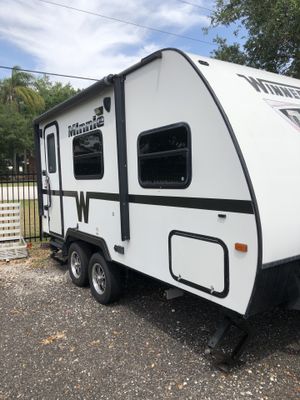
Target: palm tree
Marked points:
17	94
17	91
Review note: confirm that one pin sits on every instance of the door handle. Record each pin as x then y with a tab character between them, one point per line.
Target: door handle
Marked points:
48	190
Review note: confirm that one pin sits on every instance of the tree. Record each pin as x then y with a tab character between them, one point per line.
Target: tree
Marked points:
15	134
53	93
22	97
230	53
273	27
20	103
18	92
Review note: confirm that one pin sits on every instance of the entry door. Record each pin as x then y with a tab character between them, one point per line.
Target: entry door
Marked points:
52	180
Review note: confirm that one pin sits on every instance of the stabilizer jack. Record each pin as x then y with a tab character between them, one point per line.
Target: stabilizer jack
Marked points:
227	361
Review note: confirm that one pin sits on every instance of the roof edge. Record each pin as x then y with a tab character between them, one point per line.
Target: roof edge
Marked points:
65	105
95	88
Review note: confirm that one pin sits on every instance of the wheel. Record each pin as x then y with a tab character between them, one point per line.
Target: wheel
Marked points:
105	280
78	262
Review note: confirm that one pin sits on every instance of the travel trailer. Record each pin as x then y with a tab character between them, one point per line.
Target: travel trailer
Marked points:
185	169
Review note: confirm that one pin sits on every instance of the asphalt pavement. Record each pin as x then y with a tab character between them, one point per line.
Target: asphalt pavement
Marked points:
57	342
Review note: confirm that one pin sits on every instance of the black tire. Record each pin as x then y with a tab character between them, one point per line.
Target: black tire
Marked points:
105	280
79	252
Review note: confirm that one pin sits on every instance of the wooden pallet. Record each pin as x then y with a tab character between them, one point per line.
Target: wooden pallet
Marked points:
12	244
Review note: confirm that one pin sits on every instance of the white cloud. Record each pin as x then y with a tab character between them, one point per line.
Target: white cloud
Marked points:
67	41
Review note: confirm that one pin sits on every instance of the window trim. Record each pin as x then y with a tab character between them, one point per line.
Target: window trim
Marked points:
188	150
89	177
51	135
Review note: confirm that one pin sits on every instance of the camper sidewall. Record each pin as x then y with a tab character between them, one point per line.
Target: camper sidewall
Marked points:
216	203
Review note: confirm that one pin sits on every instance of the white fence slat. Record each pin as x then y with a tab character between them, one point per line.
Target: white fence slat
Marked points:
12	245
9	212
9	205
8	231
8	224
13	218
6	238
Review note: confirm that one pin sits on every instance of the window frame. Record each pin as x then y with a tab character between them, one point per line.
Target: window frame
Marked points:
51	136
89	177
188	149
285	112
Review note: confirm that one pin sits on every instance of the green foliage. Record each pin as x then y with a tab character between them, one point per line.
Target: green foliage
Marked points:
22	97
13	130
231	53
53	93
273	27
18	91
15	134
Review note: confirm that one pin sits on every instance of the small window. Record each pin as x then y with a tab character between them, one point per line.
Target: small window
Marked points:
88	155
164	157
51	153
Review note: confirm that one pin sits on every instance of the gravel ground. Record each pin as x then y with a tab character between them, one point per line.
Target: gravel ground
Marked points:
56	342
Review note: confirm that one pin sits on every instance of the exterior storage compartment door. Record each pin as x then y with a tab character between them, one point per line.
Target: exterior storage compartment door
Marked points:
199	261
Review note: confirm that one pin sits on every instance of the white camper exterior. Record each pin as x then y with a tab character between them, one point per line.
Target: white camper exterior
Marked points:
183	168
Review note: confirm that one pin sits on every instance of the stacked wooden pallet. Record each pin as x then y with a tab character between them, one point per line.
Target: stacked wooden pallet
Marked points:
12	244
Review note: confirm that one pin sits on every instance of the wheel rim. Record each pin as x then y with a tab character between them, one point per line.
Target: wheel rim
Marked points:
75	264
98	278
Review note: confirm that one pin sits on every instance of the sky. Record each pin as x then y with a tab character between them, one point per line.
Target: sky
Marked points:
42	36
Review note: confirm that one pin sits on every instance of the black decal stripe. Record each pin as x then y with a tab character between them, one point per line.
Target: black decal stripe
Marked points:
236	206
103	196
122	155
279	84
90	195
83	204
69	193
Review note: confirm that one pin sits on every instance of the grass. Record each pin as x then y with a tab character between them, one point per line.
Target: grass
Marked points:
19	183
30	221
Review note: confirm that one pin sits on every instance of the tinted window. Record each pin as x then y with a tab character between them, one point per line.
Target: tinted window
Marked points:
88	155
164	157
51	153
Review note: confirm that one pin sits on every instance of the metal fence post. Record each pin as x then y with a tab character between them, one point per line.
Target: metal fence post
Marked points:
21	188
